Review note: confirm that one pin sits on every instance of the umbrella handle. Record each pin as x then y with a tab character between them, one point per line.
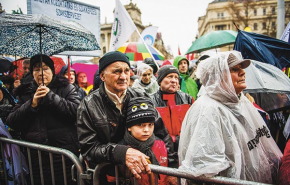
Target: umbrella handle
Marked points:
40	48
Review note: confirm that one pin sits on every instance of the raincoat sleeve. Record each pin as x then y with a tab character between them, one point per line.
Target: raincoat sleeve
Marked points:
201	147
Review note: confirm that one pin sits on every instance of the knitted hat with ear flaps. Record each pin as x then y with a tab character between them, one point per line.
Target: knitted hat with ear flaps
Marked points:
140	110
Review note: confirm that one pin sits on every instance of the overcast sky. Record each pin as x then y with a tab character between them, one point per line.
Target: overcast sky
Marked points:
175	19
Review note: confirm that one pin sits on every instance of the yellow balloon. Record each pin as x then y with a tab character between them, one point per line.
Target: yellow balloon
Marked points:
248	29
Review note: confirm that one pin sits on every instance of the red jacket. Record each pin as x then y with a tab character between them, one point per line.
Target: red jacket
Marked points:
160	151
284	172
172	108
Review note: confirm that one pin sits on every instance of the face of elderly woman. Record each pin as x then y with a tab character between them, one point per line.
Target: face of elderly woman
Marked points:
47	74
238	78
146	76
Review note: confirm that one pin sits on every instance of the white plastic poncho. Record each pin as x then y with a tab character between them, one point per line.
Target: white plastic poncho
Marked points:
150	88
222	134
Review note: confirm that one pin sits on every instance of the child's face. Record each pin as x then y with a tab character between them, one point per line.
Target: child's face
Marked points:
142	131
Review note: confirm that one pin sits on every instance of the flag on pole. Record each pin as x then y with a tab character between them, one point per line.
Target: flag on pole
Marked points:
285	35
122	28
179	53
149	35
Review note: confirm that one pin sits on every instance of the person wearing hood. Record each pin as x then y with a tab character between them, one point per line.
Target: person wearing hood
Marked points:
145	83
63	72
46	114
152	64
223	133
187	84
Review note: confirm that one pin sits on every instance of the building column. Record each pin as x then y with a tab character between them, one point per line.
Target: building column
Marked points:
107	42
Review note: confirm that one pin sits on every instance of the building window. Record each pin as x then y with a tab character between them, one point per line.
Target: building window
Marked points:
273	25
104	50
218	15
222	15
246	13
264	25
264	11
255	12
273	10
255	26
220	27
103	38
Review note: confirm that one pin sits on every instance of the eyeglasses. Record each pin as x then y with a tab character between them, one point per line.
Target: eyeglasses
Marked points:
38	69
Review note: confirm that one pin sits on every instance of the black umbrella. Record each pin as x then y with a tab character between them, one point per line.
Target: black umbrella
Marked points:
5	65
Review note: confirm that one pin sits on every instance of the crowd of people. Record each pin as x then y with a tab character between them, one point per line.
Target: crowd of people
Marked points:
198	120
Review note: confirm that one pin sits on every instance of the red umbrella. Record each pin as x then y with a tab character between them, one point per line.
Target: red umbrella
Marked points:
18	72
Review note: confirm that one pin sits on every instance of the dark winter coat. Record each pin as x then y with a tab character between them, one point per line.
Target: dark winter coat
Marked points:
101	126
52	122
180	98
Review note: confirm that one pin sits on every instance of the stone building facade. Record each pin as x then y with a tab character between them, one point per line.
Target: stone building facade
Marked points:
260	16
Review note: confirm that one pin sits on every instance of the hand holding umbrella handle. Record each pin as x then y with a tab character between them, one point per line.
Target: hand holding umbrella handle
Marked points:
40	93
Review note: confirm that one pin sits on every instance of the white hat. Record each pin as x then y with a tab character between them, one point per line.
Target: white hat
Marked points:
235	58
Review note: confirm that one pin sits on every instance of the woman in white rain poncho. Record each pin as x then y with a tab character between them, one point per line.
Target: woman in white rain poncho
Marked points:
222	133
145	82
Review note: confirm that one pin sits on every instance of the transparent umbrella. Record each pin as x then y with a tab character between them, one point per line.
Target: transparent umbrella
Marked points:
266	78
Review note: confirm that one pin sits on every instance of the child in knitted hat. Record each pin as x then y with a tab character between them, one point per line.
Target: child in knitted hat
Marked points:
141	115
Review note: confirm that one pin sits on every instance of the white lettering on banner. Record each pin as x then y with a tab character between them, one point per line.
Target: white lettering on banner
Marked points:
70	6
68	14
70	10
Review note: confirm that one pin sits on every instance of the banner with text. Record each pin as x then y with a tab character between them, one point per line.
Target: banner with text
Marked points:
69	10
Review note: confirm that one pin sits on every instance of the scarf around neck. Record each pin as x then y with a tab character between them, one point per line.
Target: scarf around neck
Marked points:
142	146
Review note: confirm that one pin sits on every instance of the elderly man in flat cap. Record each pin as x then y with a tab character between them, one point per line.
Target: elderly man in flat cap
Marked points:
101	119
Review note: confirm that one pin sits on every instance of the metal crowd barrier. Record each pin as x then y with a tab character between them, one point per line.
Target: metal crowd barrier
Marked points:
92	175
180	174
80	176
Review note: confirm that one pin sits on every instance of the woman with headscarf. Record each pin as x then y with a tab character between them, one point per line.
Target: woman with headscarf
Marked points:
187	84
145	83
46	114
222	132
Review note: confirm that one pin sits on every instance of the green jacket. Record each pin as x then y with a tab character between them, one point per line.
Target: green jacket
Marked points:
187	85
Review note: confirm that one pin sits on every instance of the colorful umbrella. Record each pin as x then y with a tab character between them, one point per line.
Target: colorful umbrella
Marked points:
212	40
18	72
138	52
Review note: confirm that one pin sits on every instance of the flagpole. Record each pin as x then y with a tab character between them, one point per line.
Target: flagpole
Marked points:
117	40
147	48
